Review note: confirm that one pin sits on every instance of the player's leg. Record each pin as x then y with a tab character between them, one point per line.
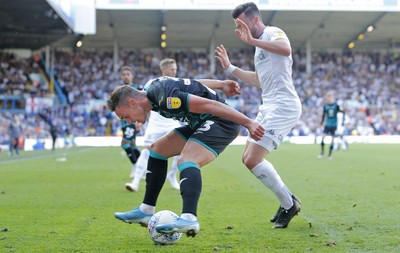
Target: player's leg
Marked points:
263	170
192	158
140	170
206	143
169	145
331	146
343	142
254	159
322	145
130	150
149	137
332	133
173	171
11	146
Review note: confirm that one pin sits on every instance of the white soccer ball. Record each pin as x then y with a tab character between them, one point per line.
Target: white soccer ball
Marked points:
159	218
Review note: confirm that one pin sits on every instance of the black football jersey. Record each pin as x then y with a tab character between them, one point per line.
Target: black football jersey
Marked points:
170	97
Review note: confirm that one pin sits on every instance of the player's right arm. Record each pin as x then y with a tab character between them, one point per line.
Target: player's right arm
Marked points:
249	77
323	115
229	87
207	106
280	45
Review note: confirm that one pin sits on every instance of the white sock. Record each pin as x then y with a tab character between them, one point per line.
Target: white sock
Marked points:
266	173
189	216
174	167
147	209
132	171
141	164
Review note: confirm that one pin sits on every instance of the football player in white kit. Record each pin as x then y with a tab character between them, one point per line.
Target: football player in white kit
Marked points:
157	126
341	140
281	107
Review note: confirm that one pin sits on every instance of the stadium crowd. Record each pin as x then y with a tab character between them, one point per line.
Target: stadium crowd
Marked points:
366	84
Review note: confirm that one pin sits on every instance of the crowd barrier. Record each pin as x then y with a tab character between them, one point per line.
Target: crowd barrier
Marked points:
38	144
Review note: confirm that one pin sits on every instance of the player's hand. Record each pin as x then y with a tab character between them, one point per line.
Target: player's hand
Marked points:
222	56
231	88
138	126
243	31
256	130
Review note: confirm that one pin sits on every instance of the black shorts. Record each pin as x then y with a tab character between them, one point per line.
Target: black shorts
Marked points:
215	134
330	130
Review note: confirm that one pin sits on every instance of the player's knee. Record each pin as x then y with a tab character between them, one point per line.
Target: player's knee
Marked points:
249	161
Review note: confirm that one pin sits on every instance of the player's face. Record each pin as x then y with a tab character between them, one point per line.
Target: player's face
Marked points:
330	98
170	70
131	114
251	24
126	77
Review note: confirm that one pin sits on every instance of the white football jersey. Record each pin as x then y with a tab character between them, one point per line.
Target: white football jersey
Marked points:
275	72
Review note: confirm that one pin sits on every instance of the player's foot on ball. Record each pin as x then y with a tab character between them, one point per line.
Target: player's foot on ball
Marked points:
287	215
134	216
131	187
279	211
190	228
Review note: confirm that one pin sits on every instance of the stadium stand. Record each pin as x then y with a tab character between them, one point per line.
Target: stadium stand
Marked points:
367	84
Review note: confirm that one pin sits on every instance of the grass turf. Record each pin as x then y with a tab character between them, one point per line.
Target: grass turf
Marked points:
64	201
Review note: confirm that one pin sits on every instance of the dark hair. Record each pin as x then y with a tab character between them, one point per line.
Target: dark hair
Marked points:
126	68
250	9
120	96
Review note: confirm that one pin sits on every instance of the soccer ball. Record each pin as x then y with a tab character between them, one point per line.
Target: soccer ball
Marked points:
159	218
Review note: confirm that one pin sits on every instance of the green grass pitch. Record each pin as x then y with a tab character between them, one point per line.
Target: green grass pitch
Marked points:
64	201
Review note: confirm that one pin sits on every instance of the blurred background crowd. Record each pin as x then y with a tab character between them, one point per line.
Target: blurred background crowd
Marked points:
366	84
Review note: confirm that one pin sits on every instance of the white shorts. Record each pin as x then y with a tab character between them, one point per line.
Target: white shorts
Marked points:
151	135
340	130
157	127
277	122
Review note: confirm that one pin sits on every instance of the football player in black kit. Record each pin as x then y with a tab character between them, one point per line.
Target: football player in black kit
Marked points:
211	127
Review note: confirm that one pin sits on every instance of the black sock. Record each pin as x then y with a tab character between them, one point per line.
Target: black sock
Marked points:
191	184
331	148
155	178
133	154
322	147
136	152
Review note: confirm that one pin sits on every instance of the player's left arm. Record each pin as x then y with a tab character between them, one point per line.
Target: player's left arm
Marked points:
207	106
229	87
279	45
323	116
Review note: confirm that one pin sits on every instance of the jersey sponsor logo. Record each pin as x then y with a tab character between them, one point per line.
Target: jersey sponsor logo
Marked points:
173	103
279	34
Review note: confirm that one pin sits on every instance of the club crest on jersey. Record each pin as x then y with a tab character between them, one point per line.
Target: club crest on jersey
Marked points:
173	103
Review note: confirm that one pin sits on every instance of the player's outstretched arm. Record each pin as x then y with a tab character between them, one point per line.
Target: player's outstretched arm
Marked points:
249	77
229	87
206	106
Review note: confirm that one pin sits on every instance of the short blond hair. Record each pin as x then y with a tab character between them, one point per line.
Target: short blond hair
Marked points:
165	62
